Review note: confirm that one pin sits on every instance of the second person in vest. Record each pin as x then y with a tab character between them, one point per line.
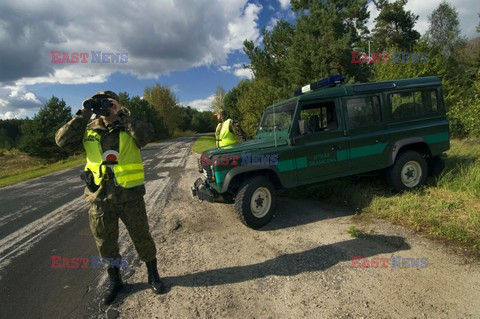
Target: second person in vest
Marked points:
228	131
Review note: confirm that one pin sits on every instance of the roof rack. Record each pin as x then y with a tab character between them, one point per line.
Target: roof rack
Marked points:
326	82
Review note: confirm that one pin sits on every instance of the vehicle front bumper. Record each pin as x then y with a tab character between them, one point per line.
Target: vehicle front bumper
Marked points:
201	190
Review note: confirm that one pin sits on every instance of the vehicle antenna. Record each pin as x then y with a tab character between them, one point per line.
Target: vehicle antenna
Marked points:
274	132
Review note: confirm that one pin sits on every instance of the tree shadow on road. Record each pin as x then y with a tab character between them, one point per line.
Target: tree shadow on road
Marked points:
316	259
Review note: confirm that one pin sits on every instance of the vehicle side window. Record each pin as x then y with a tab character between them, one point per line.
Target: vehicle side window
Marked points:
363	111
408	104
319	117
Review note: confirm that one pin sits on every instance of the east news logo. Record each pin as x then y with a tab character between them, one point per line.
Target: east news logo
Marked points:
397	262
96	262
96	57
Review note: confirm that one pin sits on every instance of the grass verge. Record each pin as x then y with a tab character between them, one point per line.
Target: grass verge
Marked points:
18	167
448	207
204	143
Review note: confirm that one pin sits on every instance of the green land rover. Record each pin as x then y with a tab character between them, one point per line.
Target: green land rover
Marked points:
329	130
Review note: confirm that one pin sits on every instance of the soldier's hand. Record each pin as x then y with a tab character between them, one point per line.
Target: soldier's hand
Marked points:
87	112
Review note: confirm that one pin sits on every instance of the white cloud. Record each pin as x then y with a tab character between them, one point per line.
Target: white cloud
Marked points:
18	114
272	23
468	18
225	68
243	73
160	37
284	4
244	27
18	102
373	15
201	104
73	75
238	70
29	96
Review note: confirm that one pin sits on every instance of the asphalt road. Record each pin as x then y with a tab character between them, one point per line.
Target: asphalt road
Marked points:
47	216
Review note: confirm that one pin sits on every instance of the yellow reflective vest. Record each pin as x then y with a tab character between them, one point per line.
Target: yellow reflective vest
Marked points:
226	137
129	170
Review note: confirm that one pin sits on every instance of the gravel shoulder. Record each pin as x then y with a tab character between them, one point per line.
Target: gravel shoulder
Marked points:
300	265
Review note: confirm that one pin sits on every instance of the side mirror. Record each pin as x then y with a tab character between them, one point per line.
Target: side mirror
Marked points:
302	125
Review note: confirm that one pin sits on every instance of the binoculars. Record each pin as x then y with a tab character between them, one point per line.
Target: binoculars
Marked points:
98	106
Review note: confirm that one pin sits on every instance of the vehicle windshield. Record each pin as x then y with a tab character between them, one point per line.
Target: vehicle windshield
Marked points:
278	117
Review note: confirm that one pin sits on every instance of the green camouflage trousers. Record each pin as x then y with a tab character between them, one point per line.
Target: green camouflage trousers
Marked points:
104	226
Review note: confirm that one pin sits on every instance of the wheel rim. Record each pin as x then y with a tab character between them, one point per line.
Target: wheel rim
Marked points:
411	173
261	202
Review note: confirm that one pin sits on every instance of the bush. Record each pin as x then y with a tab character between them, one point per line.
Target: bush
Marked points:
38	135
464	119
10	130
463	116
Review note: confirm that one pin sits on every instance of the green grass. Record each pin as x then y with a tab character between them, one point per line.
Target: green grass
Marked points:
204	143
448	207
357	233
20	167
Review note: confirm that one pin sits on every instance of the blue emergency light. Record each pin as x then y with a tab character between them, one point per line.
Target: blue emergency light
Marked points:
326	82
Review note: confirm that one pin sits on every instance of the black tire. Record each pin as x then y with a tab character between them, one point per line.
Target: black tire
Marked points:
415	171
436	165
263	189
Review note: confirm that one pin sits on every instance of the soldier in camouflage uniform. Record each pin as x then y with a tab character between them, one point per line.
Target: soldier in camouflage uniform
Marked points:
232	135
112	201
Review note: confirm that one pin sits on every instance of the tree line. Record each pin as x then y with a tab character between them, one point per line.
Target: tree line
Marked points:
158	106
320	43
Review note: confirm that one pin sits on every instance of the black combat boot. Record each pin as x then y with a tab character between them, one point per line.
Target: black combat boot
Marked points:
114	285
154	278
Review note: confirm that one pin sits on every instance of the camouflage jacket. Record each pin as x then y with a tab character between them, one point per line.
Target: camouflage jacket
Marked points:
237	130
70	137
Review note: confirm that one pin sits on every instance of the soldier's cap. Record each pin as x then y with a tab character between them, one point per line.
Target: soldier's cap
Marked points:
105	94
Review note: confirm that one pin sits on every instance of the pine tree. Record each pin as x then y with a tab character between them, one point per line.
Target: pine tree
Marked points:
394	26
38	135
317	45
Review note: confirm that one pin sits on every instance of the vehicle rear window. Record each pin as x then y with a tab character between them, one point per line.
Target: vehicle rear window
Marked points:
413	103
363	111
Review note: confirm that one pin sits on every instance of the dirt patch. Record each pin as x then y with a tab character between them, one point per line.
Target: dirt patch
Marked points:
300	265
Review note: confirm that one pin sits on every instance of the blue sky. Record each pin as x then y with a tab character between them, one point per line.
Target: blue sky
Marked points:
191	46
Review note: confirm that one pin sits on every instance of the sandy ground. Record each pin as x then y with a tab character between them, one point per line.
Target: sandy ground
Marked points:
300	265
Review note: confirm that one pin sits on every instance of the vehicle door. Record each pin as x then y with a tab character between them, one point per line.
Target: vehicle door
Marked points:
320	145
366	131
